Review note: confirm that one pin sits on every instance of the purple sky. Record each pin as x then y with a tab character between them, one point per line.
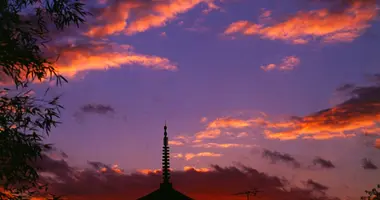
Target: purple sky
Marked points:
220	69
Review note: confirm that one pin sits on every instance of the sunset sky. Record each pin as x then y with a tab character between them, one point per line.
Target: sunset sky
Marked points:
288	88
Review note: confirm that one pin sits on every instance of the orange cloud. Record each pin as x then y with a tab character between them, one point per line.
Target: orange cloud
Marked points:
190	156
120	17
178	155
182	137
328	26
116	15
116	169
207	134
149	171
100	56
360	113
189	168
330	123
377	143
228	122
113	168
175	143
225	145
288	63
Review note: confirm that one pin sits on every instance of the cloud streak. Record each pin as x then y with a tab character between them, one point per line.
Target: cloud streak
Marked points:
189	156
223	145
101	56
97	108
325	25
359	113
276	156
288	64
136	16
326	164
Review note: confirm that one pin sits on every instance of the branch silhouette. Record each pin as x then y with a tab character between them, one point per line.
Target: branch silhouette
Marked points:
25	120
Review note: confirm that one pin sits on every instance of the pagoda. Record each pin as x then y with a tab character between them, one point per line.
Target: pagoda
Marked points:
166	190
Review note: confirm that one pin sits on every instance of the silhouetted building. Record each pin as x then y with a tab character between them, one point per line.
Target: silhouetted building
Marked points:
166	190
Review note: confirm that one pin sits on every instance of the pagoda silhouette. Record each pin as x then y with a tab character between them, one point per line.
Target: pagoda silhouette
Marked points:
166	190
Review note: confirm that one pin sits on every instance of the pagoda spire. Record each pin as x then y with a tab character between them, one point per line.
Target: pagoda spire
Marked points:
166	159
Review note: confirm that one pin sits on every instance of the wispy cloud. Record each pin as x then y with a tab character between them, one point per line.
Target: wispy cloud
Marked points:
325	25
203	169
223	145
149	171
359	113
216	130
327	164
228	122
275	156
288	63
101	56
120	16
97	108
177	155
189	156
175	143
207	134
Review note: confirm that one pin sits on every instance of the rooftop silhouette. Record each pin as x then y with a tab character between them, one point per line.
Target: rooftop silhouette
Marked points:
166	190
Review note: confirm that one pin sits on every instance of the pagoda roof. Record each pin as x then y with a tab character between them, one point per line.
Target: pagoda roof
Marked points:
165	193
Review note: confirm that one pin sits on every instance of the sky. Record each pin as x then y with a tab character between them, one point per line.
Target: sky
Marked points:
277	95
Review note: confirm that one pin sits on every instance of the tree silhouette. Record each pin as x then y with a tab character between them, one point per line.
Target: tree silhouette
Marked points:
373	194
25	26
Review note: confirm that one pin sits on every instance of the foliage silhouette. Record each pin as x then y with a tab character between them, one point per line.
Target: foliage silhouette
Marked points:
25	27
373	194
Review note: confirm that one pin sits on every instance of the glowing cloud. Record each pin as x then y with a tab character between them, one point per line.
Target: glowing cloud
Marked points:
228	122
328	26
120	16
288	63
359	113
212	133
178	155
149	171
175	143
100	56
189	168
190	156
224	145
